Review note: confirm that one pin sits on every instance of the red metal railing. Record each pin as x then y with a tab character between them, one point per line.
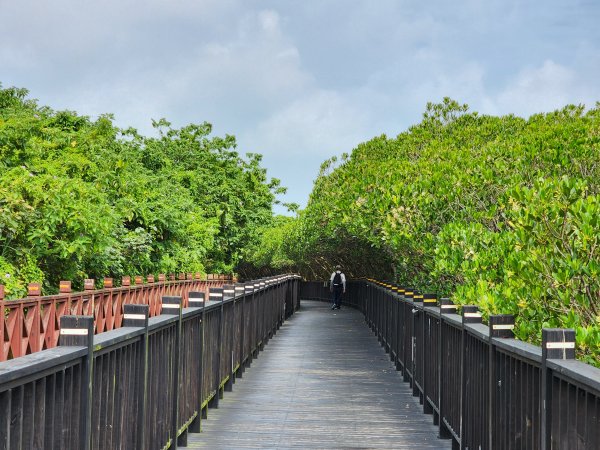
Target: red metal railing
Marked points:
31	324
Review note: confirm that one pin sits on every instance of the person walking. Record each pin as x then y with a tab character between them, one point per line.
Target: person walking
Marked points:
337	286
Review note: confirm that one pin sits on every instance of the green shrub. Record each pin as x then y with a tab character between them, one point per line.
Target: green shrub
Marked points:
501	212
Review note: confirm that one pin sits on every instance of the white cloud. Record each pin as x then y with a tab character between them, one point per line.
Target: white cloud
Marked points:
322	123
545	88
241	80
269	21
298	137
298	81
232	80
260	63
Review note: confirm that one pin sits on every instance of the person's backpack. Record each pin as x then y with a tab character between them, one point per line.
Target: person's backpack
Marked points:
337	279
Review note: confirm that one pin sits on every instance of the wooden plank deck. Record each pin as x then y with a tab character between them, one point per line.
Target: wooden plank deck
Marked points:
322	382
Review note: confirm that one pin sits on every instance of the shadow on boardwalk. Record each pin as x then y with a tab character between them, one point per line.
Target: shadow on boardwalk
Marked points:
323	382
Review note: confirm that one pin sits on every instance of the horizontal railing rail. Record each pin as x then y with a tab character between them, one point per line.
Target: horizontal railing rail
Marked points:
147	384
484	388
32	324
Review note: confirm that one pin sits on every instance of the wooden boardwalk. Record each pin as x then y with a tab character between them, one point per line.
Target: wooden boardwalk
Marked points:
322	382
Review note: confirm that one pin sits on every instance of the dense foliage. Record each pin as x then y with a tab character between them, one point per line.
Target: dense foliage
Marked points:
501	212
82	198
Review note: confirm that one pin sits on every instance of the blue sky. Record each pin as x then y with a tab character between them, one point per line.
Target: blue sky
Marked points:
299	81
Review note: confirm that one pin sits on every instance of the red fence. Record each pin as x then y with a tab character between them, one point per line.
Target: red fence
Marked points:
31	324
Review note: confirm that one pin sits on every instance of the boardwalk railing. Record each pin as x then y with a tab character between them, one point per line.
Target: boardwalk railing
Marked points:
485	389
31	324
144	385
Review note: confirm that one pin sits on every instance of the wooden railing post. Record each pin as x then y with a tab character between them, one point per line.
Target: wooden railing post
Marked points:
263	313
417	339
78	331
284	289
171	305
240	293
470	314
197	300
557	343
368	295
400	360
216	295
281	293
34	290
229	329
249	291
137	316
446	307
429	300
270	292
500	326
408	359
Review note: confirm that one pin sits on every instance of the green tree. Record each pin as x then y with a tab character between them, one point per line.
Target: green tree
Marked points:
496	211
82	198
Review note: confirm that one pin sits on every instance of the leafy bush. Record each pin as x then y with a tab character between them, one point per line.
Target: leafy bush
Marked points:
85	199
501	212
